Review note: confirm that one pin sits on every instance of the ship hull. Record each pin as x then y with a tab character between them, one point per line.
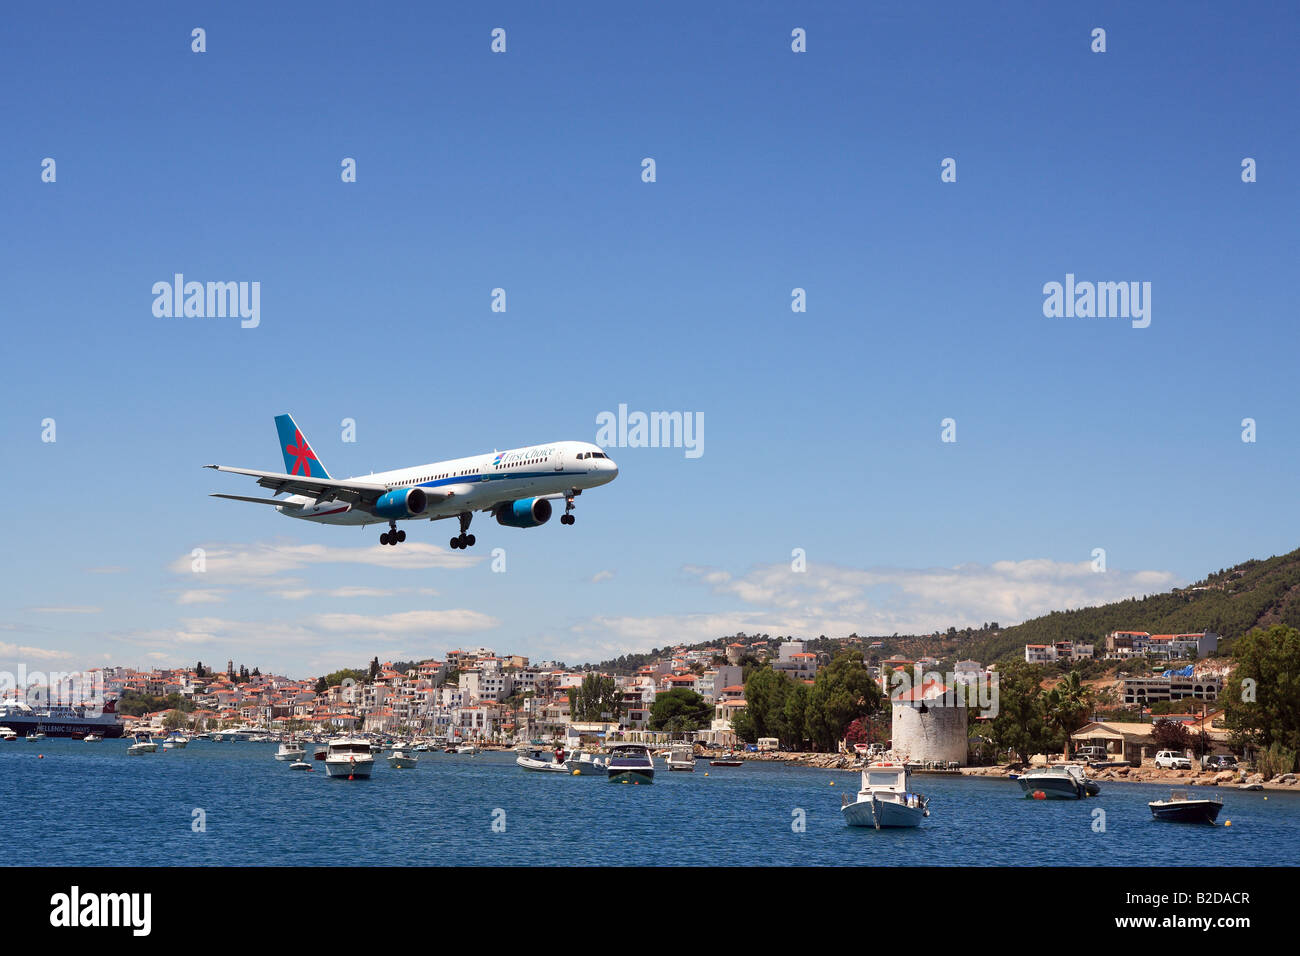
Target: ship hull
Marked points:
55	727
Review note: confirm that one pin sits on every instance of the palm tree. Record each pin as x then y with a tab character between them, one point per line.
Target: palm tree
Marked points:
1068	704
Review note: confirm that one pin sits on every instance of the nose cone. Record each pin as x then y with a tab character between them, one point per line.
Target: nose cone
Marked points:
611	469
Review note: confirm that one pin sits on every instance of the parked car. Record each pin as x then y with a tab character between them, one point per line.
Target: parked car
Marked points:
1170	760
1219	762
1090	754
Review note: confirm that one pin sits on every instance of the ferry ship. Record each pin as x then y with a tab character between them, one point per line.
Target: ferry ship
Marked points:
61	720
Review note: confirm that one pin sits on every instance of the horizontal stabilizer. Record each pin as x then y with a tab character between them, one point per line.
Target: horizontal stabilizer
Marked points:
256	501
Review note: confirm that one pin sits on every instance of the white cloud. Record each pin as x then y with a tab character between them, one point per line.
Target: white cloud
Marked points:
24	652
201	596
407	622
66	609
836	601
601	576
258	562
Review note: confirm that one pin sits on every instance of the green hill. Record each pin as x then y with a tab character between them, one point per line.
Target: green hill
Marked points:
1229	602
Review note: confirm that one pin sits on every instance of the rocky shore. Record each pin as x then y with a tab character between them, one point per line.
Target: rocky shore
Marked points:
1184	778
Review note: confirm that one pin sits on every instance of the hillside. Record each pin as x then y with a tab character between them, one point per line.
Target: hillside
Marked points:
1229	602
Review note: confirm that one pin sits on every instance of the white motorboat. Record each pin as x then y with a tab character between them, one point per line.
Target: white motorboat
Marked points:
8	733
92	738
349	757
544	762
36	735
885	799
300	765
143	744
467	749
630	763
290	750
682	757
587	765
1057	783
402	758
175	741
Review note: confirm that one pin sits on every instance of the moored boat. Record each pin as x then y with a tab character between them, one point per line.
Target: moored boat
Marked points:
143	744
682	757
586	765
630	763
1057	783
885	799
349	757
1180	808
402	758
542	761
290	751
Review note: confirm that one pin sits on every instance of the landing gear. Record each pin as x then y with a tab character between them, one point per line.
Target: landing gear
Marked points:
392	535
463	540
567	518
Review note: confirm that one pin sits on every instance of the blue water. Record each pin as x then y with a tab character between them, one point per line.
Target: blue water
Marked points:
85	804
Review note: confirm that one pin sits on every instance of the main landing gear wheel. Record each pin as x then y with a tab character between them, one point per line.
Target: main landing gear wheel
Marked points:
567	518
463	540
392	535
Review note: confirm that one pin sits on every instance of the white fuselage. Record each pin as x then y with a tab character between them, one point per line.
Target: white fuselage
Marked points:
475	484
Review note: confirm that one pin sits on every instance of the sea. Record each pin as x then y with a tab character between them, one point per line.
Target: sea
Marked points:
73	803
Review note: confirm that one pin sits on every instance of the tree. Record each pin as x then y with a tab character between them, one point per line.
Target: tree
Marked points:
680	711
1171	735
1067	706
742	722
1020	724
1262	702
843	691
596	697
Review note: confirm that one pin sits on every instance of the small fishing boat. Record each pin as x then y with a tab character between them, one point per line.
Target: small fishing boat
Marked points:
8	733
630	763
1180	808
885	799
725	763
36	735
467	749
1250	786
402	759
682	757
586	765
290	751
143	744
300	765
92	738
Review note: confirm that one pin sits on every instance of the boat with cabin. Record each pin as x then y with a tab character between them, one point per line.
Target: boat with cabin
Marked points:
885	798
142	744
630	763
349	757
290	751
682	757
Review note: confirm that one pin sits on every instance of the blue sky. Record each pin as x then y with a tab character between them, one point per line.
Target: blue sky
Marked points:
522	170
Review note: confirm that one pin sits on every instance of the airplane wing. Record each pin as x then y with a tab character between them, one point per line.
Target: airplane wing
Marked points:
322	489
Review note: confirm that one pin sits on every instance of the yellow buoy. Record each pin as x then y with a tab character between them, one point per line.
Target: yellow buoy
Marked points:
575	773
1227	823
832	783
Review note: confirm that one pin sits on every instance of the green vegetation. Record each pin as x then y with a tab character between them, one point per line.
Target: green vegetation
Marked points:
680	710
132	704
338	677
796	714
1262	699
597	698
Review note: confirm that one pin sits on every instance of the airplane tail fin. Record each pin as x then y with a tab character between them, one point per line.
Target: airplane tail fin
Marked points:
299	459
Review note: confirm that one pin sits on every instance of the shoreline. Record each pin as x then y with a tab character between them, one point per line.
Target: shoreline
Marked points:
1223	779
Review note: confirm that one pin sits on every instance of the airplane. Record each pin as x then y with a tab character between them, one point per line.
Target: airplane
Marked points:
516	487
